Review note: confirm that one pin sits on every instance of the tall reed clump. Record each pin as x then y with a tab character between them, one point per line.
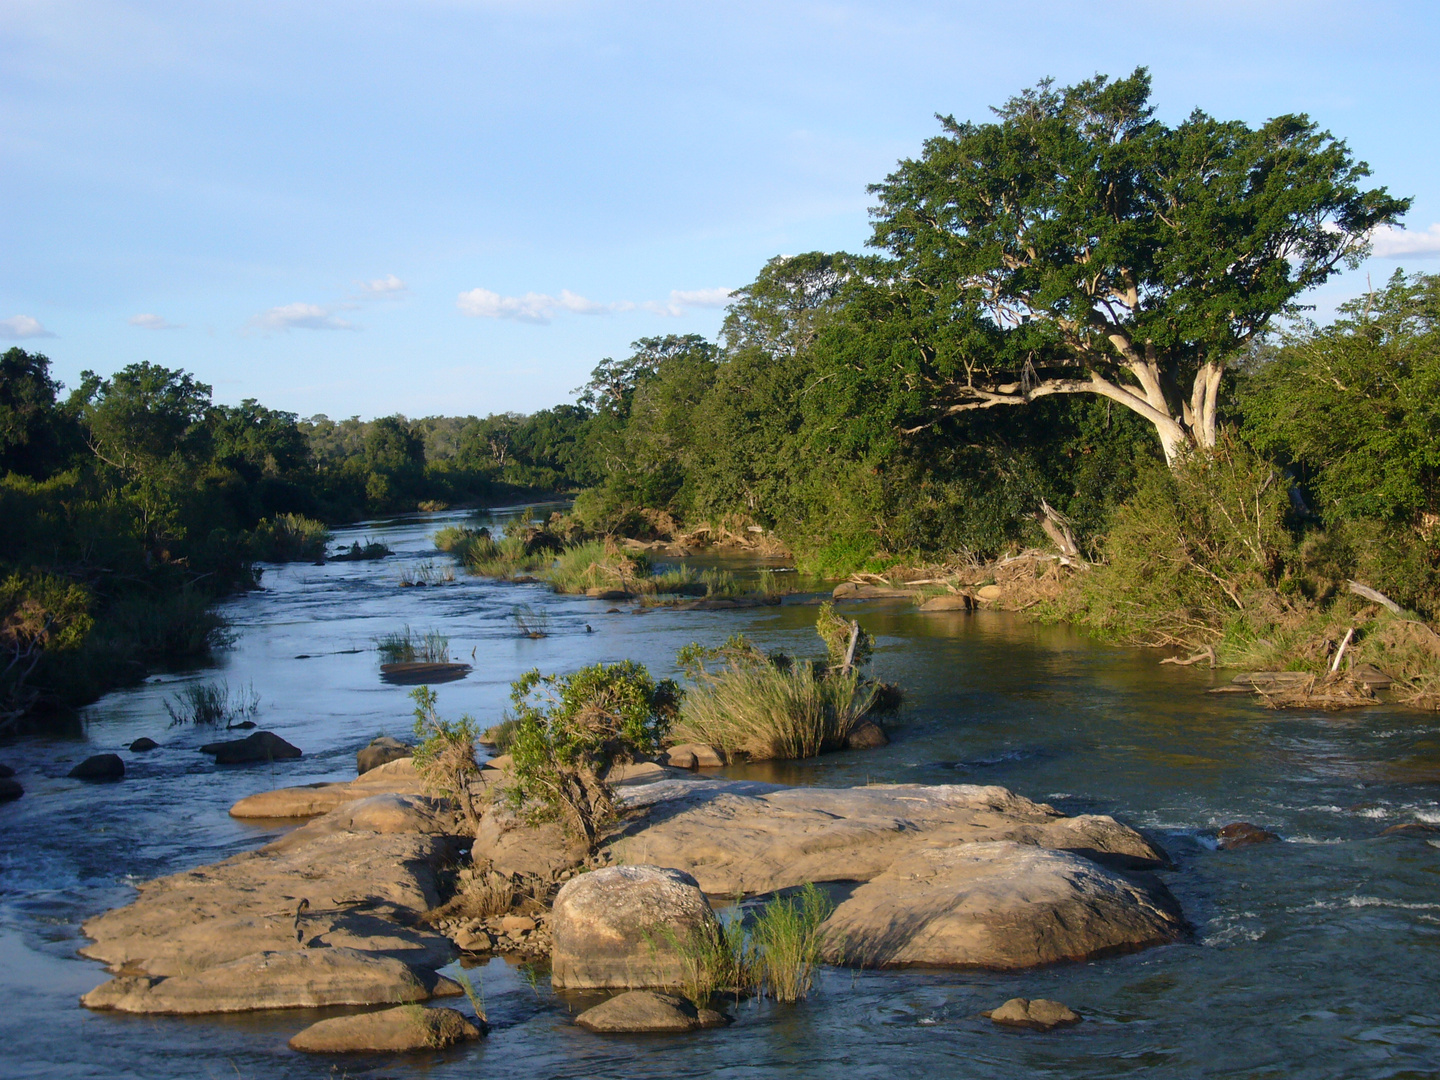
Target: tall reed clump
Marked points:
407	647
718	959
768	707
787	938
598	564
289	538
213	703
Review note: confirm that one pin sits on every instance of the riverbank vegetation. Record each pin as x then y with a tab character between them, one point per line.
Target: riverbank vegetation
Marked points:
1078	331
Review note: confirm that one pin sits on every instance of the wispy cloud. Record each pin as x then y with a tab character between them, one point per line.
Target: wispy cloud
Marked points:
19	327
299	317
542	307
1390	242
153	322
532	307
389	285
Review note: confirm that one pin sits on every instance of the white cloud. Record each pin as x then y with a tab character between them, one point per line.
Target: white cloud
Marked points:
389	285
299	317
1391	242
542	307
19	327
152	322
532	307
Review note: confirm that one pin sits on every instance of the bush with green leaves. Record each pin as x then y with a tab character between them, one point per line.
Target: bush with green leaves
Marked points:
445	752
570	729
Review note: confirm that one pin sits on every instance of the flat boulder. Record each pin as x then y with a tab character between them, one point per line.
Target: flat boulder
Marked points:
744	836
381	751
641	1011
261	746
293	979
395	777
403	1028
999	905
626	926
99	769
1042	1014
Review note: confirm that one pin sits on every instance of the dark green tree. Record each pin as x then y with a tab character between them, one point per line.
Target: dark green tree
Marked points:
36	436
1078	245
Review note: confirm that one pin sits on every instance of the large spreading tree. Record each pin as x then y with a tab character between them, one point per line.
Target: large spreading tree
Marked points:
1078	245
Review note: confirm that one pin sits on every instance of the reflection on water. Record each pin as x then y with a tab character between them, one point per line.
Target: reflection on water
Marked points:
1313	957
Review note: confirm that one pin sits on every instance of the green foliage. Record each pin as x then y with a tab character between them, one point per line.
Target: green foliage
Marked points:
569	729
407	647
787	936
718	958
445	752
290	538
1192	548
767	706
836	633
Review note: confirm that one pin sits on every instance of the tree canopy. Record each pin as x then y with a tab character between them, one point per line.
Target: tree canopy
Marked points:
1076	244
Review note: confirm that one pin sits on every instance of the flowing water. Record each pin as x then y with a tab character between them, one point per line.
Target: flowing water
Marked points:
1314	957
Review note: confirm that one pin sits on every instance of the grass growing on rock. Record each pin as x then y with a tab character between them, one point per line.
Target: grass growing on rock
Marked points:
772	706
290	538
407	647
211	704
444	753
787	938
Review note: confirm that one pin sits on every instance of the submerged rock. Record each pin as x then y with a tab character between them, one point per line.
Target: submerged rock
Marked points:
639	1011
261	746
626	926
6	772
10	790
296	978
140	745
742	836
866	736
1240	834
405	1027
1412	828
99	768
381	751
1001	906
1041	1014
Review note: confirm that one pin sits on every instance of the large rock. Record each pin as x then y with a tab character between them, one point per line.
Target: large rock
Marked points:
742	836
362	889
999	905
261	746
1239	834
143	744
99	768
866	736
639	1011
403	1028
626	926
296	978
10	790
381	751
507	844
396	777
6	772
954	602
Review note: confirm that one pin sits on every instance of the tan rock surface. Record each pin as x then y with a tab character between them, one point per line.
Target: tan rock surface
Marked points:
1000	905
625	926
403	1028
640	1011
396	777
738	836
362	889
296	978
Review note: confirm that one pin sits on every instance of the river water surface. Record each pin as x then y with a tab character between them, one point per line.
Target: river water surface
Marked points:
1315	957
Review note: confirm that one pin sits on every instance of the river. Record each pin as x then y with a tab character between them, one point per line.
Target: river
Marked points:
1314	957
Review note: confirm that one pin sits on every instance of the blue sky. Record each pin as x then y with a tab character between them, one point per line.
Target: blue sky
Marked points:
456	207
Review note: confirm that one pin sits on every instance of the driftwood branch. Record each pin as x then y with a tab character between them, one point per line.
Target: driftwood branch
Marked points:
1375	595
1207	653
1340	652
850	649
1057	528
